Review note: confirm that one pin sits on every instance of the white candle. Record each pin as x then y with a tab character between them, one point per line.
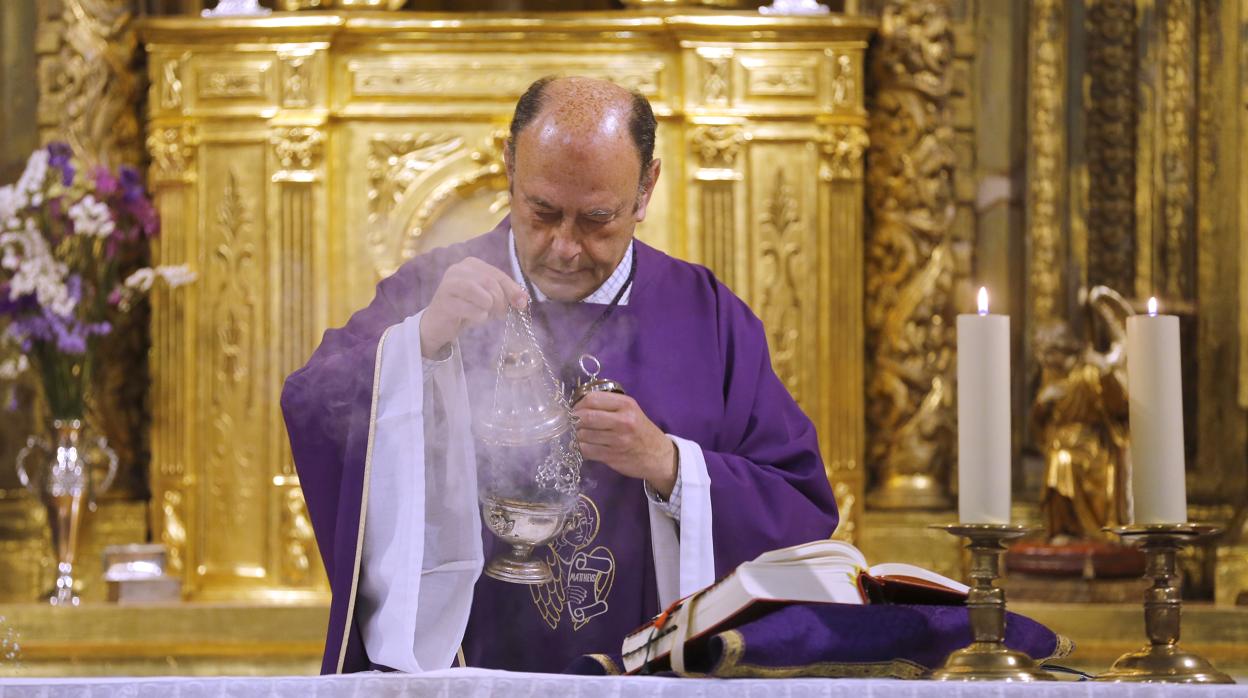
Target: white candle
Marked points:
1156	388
983	416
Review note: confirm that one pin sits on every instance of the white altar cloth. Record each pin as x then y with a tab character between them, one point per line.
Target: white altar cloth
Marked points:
471	683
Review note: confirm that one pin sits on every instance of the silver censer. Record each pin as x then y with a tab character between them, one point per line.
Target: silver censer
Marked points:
529	462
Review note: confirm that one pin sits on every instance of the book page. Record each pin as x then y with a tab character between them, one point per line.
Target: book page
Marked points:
901	569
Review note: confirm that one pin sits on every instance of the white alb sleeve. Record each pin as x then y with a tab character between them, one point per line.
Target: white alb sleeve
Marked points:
422	533
684	554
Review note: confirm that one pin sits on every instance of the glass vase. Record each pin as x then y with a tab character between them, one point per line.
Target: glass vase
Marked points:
62	473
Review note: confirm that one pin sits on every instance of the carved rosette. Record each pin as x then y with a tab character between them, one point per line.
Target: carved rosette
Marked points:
172	150
298	147
717	146
909	267
842	148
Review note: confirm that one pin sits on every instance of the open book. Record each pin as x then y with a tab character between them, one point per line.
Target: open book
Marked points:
822	571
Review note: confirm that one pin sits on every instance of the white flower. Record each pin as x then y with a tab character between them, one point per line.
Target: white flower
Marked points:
8	207
141	280
91	218
14	367
176	276
26	253
30	185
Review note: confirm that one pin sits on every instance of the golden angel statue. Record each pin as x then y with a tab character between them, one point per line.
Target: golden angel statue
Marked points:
1081	418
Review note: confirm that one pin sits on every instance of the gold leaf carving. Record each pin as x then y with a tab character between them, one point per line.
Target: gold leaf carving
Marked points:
88	90
842	148
844	82
171	83
297	82
492	79
716	79
765	79
717	146
1177	162
299	541
173	152
1112	117
846	508
234	314
1046	133
173	529
221	83
781	266
298	147
909	268
394	164
488	170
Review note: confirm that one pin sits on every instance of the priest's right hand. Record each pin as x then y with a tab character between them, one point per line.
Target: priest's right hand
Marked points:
471	292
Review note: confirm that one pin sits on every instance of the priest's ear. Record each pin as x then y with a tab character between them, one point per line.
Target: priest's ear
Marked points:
645	190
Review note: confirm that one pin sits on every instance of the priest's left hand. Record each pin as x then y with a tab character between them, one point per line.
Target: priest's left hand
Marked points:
612	429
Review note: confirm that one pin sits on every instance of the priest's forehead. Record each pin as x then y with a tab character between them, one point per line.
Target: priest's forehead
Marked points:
580	112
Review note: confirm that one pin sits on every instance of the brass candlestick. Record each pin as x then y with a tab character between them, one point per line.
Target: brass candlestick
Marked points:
987	658
1163	660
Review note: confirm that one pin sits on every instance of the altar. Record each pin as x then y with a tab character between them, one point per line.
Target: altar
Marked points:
853	176
480	683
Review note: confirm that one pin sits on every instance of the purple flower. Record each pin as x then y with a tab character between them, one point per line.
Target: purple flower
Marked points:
131	184
114	298
73	284
15	307
60	156
105	183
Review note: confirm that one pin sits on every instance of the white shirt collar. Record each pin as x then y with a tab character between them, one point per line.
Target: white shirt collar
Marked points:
602	295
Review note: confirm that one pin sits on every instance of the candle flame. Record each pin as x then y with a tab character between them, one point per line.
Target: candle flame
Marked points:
1152	306
983	300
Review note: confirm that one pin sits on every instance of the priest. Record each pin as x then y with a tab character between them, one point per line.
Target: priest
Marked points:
706	462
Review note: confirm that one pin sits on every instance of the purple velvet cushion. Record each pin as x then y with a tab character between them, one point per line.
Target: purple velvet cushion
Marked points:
843	640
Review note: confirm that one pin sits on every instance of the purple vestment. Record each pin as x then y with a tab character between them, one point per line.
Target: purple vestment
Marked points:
693	356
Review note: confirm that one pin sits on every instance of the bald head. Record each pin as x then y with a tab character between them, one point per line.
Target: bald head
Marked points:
579	110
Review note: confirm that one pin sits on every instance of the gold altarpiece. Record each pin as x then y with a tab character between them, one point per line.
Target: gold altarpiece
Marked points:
298	159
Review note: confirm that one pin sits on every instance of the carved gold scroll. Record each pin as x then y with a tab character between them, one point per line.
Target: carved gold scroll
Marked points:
909	259
300	158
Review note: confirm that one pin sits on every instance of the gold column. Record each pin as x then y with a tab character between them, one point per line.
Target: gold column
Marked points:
237	142
1111	117
1046	177
1222	264
909	263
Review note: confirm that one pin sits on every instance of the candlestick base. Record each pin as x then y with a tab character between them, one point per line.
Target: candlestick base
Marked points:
1163	660
987	658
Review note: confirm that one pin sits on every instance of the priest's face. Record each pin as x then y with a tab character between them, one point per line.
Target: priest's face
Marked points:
576	195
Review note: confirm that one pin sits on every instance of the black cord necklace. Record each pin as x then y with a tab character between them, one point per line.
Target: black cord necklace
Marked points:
564	365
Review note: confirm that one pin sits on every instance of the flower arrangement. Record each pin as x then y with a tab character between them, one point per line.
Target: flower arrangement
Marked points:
73	241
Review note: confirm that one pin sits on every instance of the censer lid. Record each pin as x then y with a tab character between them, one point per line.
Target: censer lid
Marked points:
528	406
